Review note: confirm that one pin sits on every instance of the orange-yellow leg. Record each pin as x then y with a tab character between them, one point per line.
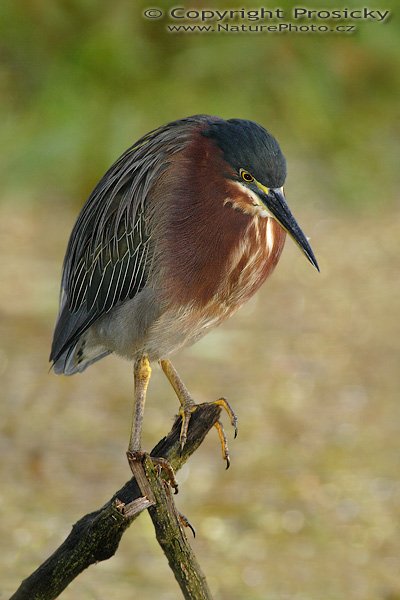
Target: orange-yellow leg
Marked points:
142	374
188	406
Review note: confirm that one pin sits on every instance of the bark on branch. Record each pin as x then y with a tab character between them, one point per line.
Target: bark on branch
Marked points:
96	536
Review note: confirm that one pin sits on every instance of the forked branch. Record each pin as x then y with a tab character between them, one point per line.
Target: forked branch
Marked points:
96	536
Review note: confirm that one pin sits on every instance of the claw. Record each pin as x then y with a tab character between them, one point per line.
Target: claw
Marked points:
223	403
186	523
224	443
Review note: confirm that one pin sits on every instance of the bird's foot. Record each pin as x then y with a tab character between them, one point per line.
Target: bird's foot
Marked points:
135	460
185	413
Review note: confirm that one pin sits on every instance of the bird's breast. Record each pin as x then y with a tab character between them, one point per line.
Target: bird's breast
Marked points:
254	258
246	268
250	260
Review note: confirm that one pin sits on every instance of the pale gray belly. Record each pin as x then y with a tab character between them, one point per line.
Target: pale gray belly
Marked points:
176	329
141	326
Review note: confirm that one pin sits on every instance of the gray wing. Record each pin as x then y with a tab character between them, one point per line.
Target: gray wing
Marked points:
108	256
110	249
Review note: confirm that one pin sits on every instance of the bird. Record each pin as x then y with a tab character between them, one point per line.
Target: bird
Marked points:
179	233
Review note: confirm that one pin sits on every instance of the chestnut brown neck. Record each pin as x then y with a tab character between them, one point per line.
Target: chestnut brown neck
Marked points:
203	230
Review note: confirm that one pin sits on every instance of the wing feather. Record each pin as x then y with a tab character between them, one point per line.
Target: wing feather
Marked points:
110	250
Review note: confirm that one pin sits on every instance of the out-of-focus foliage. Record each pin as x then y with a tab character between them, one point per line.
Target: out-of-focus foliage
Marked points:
82	79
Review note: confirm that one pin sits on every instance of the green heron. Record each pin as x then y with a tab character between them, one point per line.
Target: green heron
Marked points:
182	229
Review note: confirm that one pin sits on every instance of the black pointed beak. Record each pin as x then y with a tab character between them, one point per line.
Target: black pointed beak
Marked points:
276	204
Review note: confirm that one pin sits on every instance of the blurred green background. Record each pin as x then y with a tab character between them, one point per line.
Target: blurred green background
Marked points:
311	505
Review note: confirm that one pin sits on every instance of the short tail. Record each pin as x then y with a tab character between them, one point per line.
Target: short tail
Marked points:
73	349
77	358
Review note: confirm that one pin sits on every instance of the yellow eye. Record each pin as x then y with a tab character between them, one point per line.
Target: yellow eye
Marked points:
245	175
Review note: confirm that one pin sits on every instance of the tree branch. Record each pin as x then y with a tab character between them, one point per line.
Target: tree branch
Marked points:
96	536
172	539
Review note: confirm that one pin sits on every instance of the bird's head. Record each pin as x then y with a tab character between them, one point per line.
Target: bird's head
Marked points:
257	170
